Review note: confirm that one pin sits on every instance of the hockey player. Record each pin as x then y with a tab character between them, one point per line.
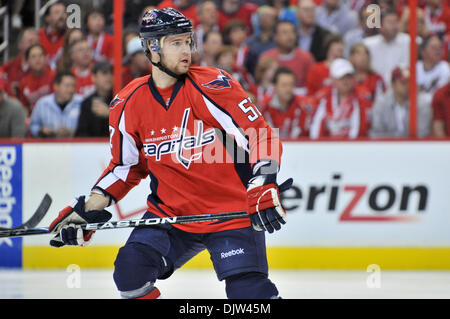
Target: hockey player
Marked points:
176	125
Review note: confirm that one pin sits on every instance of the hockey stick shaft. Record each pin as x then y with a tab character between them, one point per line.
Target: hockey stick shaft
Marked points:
133	223
26	231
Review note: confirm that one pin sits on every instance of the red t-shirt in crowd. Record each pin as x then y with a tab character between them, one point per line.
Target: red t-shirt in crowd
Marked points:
441	107
15	72
299	61
84	85
374	83
244	14
103	47
33	87
293	122
318	77
53	44
439	22
260	93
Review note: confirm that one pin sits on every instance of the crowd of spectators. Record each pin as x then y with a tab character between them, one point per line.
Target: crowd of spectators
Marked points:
314	68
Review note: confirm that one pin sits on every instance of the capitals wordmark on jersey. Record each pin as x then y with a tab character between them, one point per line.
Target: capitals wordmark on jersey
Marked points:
180	141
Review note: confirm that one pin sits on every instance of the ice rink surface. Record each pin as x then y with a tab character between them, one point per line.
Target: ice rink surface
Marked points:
203	284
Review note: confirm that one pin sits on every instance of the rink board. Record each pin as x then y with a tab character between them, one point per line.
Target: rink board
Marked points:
353	204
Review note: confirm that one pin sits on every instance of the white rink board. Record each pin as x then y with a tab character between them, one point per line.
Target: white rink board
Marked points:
68	170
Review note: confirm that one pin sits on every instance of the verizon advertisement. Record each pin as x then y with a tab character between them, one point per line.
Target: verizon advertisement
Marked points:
367	194
345	194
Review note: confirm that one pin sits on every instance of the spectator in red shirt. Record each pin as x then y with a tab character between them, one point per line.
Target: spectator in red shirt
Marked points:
364	75
236	9
441	112
289	55
319	73
81	55
51	37
289	113
186	7
437	17
340	108
102	43
17	68
38	82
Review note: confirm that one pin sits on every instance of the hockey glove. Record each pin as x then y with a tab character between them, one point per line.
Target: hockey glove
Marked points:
65	225
264	205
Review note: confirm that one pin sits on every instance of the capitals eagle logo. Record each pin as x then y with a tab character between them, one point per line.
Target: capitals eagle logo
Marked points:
222	82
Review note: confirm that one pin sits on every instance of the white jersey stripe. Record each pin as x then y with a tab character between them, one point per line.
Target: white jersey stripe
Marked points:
107	181
227	124
130	153
314	130
355	121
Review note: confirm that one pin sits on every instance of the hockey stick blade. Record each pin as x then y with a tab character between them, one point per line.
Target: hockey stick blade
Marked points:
131	223
35	219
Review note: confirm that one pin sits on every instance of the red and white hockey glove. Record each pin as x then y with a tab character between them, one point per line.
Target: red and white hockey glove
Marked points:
65	225
264	205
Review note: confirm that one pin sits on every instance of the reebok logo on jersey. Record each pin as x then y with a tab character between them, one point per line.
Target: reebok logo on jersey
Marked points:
239	251
182	143
222	82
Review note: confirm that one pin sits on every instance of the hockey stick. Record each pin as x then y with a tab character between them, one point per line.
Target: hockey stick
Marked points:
18	232
34	220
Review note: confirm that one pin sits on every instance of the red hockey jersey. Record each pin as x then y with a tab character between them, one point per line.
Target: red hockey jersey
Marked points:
197	146
293	122
346	119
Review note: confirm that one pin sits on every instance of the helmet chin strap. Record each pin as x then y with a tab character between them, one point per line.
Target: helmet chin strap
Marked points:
163	68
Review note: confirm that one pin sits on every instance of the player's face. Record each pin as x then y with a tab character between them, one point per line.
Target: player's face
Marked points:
176	52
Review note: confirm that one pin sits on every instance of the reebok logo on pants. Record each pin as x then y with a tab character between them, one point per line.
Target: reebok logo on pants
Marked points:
233	252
